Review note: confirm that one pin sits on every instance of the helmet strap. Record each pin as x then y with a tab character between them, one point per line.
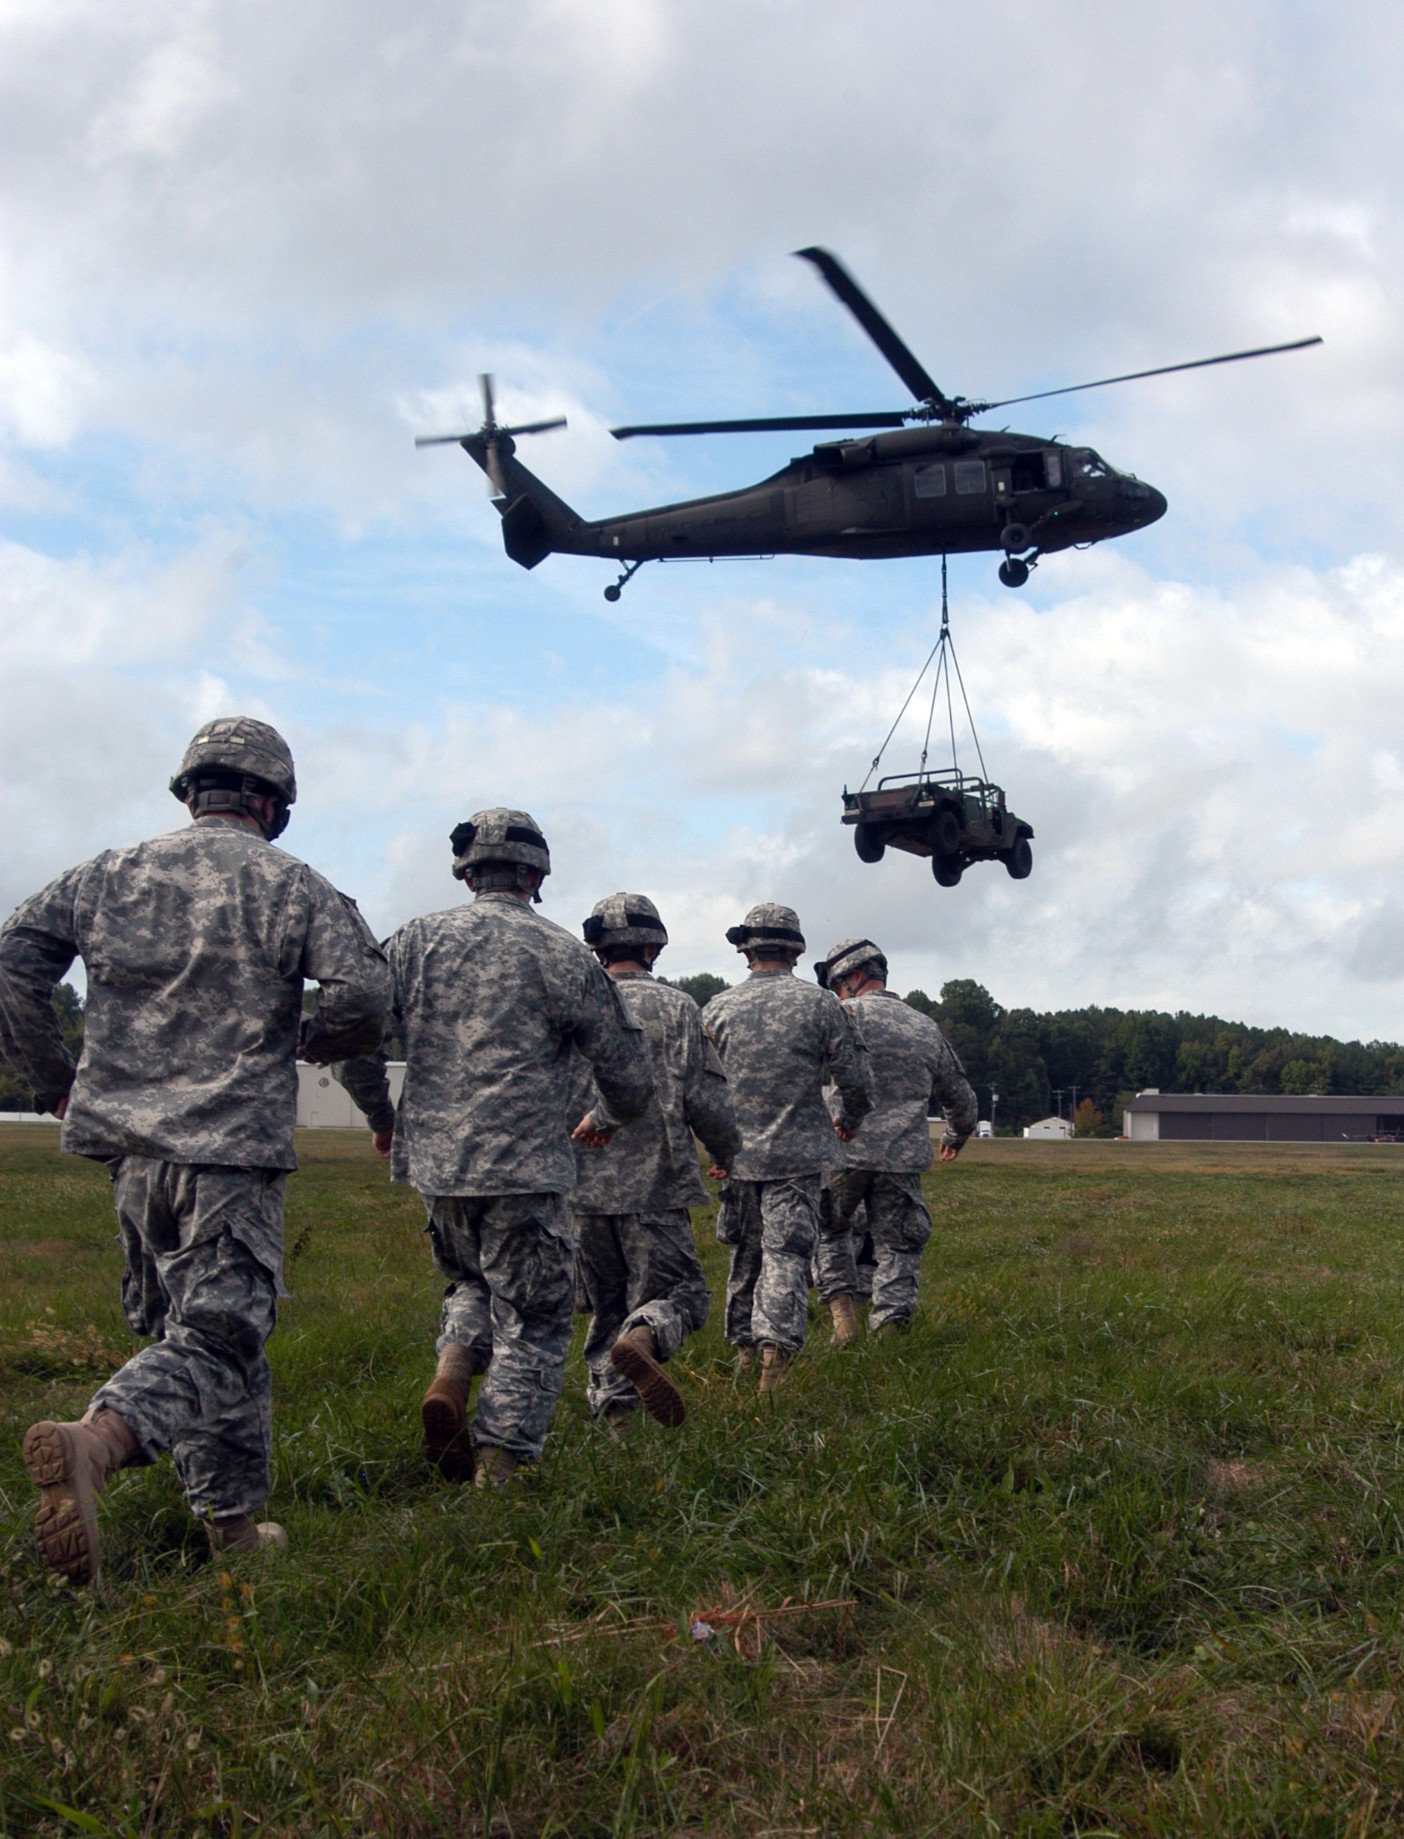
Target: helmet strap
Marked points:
246	799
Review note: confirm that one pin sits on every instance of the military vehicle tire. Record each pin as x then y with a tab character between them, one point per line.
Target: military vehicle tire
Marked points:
1019	861
1013	572
947	870
1015	538
868	843
945	832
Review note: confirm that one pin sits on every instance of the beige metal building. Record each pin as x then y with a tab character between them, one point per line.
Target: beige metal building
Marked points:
1250	1117
324	1105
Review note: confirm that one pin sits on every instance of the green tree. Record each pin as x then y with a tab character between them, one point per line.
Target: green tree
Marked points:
701	988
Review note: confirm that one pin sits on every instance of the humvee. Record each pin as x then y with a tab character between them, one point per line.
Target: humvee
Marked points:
949	816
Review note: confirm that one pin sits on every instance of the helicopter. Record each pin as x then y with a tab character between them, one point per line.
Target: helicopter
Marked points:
936	487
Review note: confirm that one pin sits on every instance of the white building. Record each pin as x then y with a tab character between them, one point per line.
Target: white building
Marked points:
322	1104
1050	1129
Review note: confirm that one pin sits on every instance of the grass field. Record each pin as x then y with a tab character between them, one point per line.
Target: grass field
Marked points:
1108	1544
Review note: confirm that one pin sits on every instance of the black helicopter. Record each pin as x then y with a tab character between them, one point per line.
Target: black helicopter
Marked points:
936	488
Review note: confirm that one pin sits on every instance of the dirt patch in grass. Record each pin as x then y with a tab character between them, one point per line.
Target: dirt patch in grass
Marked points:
1225	1480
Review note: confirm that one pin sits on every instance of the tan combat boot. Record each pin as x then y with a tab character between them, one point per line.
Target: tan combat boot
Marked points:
496	1466
69	1464
635	1355
444	1413
845	1320
235	1532
773	1361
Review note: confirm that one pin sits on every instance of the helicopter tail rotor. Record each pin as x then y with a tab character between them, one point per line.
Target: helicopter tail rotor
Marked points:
497	441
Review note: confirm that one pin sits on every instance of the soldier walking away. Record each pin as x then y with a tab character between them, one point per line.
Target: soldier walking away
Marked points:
779	1039
196	945
492	1003
882	1165
637	1263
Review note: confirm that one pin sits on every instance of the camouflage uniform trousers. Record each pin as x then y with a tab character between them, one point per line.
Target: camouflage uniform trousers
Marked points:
510	1261
899	1225
772	1228
864	1256
636	1270
203	1247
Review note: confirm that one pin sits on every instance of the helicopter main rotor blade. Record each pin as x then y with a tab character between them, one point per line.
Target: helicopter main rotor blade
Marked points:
881	418
489	419
842	284
536	427
440	440
1163	370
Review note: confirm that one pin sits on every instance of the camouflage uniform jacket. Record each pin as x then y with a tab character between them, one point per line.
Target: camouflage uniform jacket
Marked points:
651	1165
196	945
492	1002
912	1064
776	1036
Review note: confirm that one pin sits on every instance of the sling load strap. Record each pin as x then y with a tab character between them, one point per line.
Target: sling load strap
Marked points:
944	653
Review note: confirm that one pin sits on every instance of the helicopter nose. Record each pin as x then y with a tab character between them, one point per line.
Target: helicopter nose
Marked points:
1143	502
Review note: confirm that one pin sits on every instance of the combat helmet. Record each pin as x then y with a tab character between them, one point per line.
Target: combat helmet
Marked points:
624	919
768	924
498	848
233	760
846	957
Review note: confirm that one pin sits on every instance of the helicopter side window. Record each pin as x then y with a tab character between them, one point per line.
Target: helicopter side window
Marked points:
930	481
1089	465
969	477
1053	468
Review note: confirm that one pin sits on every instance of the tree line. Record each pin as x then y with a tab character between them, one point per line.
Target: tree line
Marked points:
1090	1061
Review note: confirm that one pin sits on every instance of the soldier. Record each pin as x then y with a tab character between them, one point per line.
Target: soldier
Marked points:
637	1263
492	1003
196	945
883	1164
778	1039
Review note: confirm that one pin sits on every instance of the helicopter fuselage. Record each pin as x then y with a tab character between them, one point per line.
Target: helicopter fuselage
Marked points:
937	489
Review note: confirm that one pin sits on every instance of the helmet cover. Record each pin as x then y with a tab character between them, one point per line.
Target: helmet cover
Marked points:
624	919
238	744
499	835
846	957
768	924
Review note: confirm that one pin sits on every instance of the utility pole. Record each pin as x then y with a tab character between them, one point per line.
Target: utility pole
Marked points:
1074	1103
1058	1096
994	1106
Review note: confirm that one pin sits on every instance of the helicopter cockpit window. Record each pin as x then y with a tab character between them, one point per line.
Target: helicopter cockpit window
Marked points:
969	477
930	481
1089	465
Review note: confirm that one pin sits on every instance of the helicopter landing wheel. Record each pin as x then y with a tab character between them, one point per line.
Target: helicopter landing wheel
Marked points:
1015	538
616	588
1013	572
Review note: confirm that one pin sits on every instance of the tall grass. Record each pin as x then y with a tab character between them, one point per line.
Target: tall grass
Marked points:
1107	1543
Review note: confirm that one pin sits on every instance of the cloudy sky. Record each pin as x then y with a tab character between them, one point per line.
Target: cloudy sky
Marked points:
248	251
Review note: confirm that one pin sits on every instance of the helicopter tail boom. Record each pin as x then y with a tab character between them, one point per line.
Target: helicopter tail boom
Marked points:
535	522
